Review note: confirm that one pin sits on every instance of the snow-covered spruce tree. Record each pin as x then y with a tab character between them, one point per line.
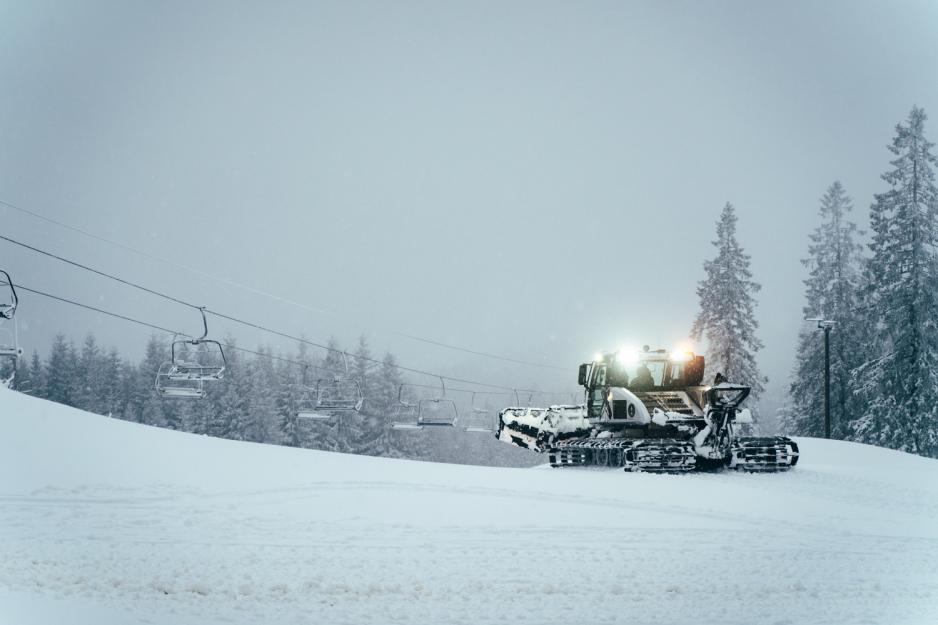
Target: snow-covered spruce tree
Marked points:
59	372
291	431
37	377
899	385
834	264
230	396
726	317
386	389
372	428
113	371
260	384
89	377
146	406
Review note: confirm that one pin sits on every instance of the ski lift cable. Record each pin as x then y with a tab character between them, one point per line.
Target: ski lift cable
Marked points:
256	291
153	326
99	310
243	349
478	392
224	316
365	358
98	272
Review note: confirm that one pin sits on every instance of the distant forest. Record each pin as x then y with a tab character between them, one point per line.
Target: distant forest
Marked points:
256	401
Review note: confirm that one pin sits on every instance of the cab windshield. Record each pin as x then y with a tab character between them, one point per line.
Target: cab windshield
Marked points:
643	374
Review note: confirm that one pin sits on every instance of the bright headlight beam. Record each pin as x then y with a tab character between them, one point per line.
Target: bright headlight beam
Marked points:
627	356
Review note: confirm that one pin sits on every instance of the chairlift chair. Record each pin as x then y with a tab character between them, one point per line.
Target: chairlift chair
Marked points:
480	420
184	379
429	412
341	393
8	297
10	353
405	413
9	344
306	401
437	411
172	387
10	350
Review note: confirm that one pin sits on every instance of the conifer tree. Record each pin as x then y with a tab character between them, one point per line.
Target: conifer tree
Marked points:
146	405
899	385
261	388
372	427
727	310
288	399
230	397
58	372
37	377
834	265
113	379
89	377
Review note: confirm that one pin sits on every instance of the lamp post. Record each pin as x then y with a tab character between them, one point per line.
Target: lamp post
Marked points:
826	325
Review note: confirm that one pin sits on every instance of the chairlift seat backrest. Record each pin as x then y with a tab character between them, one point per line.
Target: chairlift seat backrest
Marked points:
173	386
405	417
480	421
9	346
339	394
437	412
196	371
305	405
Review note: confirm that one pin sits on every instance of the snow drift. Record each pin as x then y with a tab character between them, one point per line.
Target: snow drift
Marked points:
104	521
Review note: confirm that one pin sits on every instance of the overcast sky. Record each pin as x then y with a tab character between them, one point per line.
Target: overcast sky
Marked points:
534	179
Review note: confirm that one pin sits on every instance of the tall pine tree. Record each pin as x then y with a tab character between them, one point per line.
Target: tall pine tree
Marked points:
727	306
899	385
834	265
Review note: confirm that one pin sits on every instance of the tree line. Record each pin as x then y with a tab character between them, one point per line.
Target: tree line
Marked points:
256	400
884	304
882	298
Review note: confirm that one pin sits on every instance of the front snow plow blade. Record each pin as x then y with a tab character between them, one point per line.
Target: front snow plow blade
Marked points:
651	456
771	454
536	428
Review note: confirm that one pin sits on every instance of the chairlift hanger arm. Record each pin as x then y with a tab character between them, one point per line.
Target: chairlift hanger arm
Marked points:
400	395
204	328
15	297
221	350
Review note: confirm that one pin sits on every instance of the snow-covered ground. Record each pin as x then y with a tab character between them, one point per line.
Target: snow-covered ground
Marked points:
103	521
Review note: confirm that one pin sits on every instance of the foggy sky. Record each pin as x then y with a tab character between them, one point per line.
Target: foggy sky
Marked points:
534	179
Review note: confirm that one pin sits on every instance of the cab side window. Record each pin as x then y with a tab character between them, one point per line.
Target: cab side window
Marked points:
677	373
595	399
600	379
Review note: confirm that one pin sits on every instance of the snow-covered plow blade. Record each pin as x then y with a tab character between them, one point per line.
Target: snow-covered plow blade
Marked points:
537	428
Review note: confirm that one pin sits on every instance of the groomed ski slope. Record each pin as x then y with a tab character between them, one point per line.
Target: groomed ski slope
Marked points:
108	522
